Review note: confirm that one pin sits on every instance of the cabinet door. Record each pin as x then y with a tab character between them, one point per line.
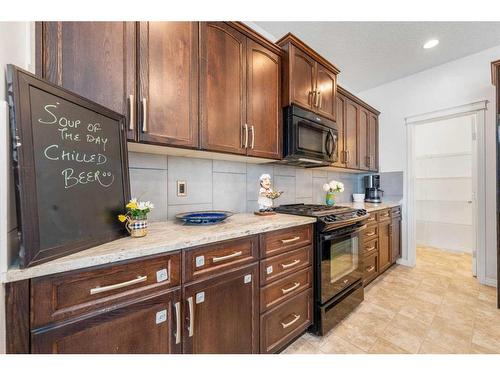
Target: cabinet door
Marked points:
302	78
326	91
222	313
146	326
373	142
96	60
363	138
384	242
341	105
263	101
223	88
168	71
351	134
395	240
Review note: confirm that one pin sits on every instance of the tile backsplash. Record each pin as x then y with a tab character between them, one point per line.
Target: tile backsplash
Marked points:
225	185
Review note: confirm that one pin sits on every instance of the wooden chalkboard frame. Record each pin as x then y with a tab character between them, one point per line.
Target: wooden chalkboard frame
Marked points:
19	82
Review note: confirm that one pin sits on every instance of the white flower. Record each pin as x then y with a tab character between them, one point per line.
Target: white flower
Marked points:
133	200
149	205
141	205
326	187
340	187
335	186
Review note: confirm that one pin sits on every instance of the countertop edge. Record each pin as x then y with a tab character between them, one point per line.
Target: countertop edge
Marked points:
66	265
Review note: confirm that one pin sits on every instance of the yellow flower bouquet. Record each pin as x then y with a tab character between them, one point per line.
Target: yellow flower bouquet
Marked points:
136	217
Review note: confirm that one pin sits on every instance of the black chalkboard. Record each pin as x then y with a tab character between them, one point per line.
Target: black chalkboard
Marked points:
71	169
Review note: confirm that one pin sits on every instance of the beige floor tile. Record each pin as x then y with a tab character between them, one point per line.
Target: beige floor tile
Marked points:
487	341
455	337
431	347
382	346
301	346
337	345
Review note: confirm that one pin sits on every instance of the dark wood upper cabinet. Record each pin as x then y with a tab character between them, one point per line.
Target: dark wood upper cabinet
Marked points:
146	325
310	81
96	60
223	88
340	115
363	134
302	78
351	134
222	313
326	91
373	142
263	101
168	76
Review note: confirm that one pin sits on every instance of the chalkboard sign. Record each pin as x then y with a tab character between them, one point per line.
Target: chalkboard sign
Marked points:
71	169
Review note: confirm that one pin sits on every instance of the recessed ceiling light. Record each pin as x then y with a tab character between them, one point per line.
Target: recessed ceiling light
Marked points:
431	43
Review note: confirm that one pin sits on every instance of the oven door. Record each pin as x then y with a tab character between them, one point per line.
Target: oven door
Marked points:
339	260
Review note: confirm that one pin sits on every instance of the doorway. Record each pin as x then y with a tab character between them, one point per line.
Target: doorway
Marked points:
444	183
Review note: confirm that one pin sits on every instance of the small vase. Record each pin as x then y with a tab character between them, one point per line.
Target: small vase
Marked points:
330	199
137	226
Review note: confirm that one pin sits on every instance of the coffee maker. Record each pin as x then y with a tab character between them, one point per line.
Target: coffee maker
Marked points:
373	193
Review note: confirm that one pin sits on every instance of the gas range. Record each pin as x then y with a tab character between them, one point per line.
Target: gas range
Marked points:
329	217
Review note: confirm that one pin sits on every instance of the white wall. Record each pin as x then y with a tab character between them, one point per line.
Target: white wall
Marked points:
459	82
16	47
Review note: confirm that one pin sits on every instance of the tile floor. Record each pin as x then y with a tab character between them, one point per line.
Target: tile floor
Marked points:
435	307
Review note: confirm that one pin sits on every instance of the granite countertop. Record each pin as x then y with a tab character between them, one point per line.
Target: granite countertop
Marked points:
370	207
163	237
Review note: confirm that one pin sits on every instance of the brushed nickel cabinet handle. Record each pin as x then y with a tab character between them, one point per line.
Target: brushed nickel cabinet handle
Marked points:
371	234
131	121
286	325
245	135
177	307
191	316
370	248
144	115
288	265
102	289
296	238
225	257
370	269
312	97
253	137
319	100
295	286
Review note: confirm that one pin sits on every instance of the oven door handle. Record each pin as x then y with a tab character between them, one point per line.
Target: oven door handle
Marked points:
332	236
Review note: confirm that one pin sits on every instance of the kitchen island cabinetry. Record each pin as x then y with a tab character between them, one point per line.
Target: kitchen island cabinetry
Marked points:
210	298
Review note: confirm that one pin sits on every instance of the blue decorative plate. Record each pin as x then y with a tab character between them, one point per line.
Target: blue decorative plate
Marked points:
203	217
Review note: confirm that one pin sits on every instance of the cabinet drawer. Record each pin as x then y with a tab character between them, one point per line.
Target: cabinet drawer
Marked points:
371	233
372	219
207	260
61	296
370	247
276	267
370	268
282	324
395	212
285	288
281	241
383	215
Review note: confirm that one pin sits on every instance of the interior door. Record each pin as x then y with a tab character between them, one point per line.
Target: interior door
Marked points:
263	102
373	142
363	138
222	313
145	325
168	66
302	77
326	90
341	104
351	134
223	88
96	60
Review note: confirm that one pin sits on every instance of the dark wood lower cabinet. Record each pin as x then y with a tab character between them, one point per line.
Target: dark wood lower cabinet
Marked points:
395	239
222	313
384	241
145	325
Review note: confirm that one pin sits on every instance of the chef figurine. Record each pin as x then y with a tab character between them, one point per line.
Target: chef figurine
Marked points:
266	194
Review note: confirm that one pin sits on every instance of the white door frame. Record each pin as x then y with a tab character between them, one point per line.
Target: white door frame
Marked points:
478	112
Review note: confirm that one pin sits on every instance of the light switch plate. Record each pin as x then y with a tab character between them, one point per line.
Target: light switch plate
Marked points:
181	188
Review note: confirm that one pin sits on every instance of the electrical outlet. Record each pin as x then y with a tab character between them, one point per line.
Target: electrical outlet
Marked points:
181	188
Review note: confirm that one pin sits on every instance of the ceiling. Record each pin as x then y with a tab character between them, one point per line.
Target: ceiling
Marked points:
369	54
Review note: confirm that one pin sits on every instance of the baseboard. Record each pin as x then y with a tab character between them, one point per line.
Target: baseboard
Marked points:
489	281
404	262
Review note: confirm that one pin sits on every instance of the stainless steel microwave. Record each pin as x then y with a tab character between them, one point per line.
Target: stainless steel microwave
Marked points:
309	140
